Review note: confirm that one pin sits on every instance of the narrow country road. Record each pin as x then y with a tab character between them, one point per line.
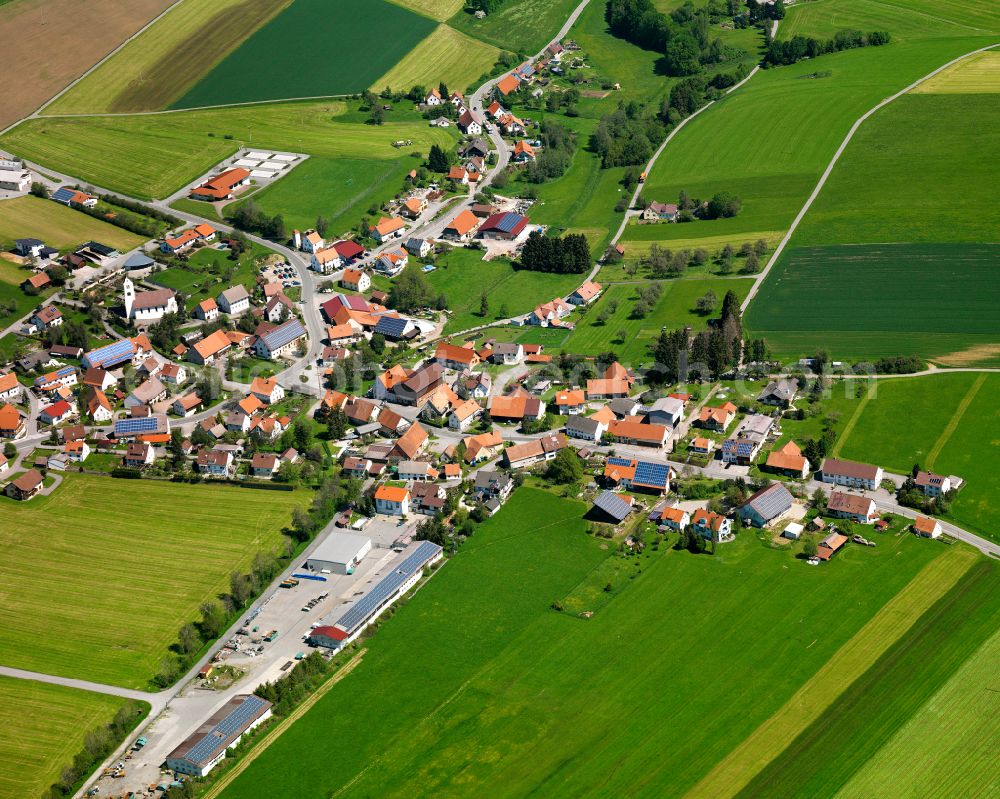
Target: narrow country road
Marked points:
157	700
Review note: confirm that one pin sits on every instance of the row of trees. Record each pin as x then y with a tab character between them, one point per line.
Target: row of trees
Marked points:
567	255
250	217
799	47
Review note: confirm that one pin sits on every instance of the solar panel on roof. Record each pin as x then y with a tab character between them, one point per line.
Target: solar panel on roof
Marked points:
391	326
111	354
652	474
619	461
143	424
63	193
283	334
613	505
225	730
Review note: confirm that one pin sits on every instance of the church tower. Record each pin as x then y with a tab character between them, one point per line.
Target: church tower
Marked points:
128	287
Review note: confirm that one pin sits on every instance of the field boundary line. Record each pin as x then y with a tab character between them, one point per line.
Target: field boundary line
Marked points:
276	731
852	423
953	423
833	162
931	16
847	664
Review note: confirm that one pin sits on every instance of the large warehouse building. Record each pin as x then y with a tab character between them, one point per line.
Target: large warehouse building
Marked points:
339	554
201	751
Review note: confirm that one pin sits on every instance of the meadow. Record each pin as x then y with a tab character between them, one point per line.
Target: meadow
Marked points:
769	142
494	700
128	154
59	226
159	65
522	26
462	276
211	271
959	416
42	729
978	74
675	308
863	302
445	55
435	9
312	49
340	189
164	549
875	195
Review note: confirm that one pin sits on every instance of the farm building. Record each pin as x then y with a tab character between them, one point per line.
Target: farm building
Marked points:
280	341
779	392
830	545
201	751
767	505
788	460
748	439
223	186
505	226
638	475
611	508
340	553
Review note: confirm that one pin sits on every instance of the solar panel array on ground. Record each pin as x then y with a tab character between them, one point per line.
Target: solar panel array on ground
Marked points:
412	561
222	733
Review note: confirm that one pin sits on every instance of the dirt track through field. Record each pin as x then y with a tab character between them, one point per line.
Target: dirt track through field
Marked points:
48	43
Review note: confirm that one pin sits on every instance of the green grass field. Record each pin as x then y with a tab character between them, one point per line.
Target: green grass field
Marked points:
868	301
462	276
11	294
506	697
445	55
312	49
963	720
209	276
165	548
159	65
58	226
521	26
978	74
956	435
830	751
340	189
130	155
43	730
675	308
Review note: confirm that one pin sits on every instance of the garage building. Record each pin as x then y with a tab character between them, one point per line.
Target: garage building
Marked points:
339	554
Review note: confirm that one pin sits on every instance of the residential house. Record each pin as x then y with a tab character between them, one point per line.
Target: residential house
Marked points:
76	451
933	485
507	353
416	471
388	228
482	447
427	498
263	465
357	467
634	474
47	317
269	427
173	373
12	424
267	390
325	261
11	389
391	423
26	486
410	444
779	392
464	414
433	97
139	455
187	405
550	314
207	310
851	506
421	248
660	212
56	413
360	411
147	393
717	418
675	519
516	408
234	300
355	280
451	356
788	460
209	349
927	527
462	227
587	429
99	407
536	451
585	294
470	124
473	385
701	446
711	525
745	444
438	404
311	241
392	500
492	488
507	84
850	474
766	506
458	174
419	385
388	380
215	463
523	152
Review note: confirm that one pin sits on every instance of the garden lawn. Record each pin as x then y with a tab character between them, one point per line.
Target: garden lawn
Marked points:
521	26
674	309
58	225
159	65
340	189
43	728
505	697
445	55
11	295
957	434
313	48
864	302
462	276
210	271
128	154
164	549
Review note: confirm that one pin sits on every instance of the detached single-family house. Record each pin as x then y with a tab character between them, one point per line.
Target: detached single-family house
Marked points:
388	228
779	392
451	356
267	390
660	212
586	294
355	280
234	300
47	317
711	525
215	462
789	461
26	486
421	248
851	506
932	485
11	389
585	428
464	414
470	124
206	351
537	451
927	527
461	227
675	519
207	310
392	500
187	405
717	418
138	455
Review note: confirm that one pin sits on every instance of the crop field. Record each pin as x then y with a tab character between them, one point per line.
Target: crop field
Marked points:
495	704
958	437
435	9
157	67
59	226
875	195
340	189
978	74
314	48
462	276
43	727
963	721
675	308
49	43
827	754
445	55
166	548
864	302
769	141
128	154
521	26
